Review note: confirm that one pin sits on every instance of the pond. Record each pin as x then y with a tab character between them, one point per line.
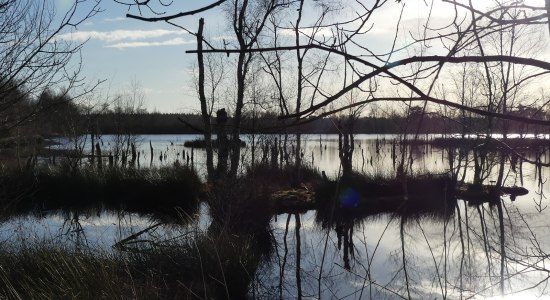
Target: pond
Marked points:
469	252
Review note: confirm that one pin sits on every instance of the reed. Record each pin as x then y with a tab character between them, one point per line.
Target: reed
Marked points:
358	196
199	267
134	190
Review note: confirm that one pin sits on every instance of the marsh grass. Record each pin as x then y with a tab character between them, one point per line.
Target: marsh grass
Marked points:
282	177
47	272
244	204
200	267
135	190
358	196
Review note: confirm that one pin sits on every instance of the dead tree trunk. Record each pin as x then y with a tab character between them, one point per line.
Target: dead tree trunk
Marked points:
223	143
204	108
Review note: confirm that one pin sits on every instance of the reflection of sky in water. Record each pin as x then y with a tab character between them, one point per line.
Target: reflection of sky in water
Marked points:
95	230
320	151
432	247
378	257
101	231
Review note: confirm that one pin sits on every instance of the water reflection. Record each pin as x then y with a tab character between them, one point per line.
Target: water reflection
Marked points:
478	253
412	237
384	256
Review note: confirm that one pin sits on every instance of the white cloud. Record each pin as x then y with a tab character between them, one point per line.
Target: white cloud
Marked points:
117	19
118	35
171	42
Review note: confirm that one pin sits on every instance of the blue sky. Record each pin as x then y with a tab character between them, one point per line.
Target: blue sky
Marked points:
121	50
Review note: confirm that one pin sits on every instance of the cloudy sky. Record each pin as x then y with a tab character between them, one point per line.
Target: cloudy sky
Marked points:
121	50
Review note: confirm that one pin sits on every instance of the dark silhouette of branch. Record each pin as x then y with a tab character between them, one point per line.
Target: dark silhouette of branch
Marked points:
434	58
175	16
385	69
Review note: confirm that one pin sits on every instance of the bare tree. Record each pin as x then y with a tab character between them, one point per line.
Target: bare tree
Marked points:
126	108
407	71
32	58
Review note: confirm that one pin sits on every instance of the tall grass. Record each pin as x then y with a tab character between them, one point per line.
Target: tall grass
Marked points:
47	272
220	263
245	203
200	267
357	197
134	190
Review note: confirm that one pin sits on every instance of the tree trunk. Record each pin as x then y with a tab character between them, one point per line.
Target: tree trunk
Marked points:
223	147
204	108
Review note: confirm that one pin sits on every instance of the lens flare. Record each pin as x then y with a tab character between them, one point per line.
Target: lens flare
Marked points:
349	198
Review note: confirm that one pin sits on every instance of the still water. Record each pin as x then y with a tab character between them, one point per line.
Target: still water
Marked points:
479	252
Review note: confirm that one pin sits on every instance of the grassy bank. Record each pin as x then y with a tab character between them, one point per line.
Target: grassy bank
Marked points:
245	203
199	267
134	190
357	196
219	262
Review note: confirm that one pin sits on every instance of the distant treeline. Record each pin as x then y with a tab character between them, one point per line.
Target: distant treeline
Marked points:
158	123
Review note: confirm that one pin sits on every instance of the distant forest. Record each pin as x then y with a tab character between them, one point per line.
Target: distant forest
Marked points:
54	114
59	116
158	123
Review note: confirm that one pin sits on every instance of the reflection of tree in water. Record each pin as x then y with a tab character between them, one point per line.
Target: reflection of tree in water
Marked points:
73	230
441	247
344	233
464	249
481	251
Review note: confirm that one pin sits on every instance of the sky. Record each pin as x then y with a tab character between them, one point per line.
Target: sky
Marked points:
123	51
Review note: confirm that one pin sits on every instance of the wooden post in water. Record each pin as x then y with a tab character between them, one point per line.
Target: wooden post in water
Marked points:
151	147
99	158
320	145
192	157
134	155
110	160
92	158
